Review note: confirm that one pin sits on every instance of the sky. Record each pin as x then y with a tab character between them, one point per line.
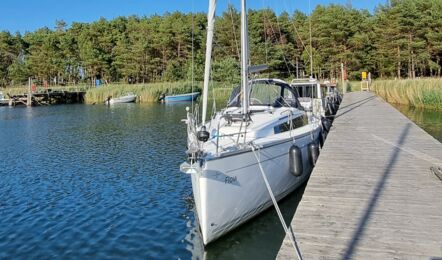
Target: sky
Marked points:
29	15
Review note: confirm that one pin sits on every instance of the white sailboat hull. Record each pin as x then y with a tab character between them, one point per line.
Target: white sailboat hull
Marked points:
230	190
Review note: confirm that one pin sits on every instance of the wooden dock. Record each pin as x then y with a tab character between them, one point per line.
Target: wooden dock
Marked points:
48	98
372	194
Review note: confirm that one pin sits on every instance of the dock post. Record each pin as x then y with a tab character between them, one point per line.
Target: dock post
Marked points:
344	87
29	97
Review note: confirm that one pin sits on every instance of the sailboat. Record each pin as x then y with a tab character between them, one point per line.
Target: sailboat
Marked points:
262	146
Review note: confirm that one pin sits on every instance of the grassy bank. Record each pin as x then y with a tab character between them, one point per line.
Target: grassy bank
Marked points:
422	93
151	92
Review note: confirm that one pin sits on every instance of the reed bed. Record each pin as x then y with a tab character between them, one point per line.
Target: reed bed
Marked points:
422	93
147	93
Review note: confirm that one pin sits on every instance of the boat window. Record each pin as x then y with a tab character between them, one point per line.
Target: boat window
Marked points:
290	99
295	123
307	90
264	93
235	97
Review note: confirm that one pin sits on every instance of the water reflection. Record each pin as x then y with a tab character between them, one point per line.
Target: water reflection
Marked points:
429	120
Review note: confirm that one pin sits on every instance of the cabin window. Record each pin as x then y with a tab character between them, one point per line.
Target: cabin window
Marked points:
308	90
290	99
264	94
235	97
295	123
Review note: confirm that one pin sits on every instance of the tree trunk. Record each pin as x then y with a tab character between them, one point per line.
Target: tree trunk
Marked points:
413	71
438	63
398	62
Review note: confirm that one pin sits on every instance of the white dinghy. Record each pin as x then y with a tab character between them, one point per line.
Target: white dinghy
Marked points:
261	147
128	98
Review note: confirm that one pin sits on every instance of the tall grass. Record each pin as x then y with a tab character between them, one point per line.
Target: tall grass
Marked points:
350	86
423	93
151	92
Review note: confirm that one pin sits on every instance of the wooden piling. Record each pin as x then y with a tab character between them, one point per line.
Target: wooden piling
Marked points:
29	96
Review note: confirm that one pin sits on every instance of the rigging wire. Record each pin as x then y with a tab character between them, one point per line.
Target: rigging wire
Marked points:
193	51
234	30
297	32
275	34
281	42
288	230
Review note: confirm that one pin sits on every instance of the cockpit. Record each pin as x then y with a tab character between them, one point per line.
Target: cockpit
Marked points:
266	92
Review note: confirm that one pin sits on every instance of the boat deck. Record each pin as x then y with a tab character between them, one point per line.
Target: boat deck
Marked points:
372	194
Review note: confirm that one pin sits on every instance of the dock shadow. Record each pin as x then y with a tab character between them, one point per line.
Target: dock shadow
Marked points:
377	193
359	103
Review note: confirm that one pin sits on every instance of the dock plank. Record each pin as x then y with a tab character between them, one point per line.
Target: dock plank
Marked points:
372	194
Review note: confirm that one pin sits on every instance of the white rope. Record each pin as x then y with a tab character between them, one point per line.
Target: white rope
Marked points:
288	230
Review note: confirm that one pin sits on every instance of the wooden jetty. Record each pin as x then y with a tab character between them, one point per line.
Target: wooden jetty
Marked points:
373	193
48	98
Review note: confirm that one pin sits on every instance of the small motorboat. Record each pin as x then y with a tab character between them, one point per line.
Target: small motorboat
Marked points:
3	101
128	98
180	98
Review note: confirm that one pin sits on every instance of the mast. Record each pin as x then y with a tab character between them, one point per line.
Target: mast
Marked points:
244	58
208	64
310	32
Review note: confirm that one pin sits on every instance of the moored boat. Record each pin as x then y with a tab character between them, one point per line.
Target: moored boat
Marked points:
262	146
227	186
320	99
128	98
181	98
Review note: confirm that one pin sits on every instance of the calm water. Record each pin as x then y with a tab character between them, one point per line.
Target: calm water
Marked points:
429	120
92	181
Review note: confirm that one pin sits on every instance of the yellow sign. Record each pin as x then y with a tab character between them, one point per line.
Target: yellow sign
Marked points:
364	75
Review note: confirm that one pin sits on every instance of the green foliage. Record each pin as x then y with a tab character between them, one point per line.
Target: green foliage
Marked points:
226	70
402	39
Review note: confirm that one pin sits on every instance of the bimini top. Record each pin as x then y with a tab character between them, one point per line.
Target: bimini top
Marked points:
266	92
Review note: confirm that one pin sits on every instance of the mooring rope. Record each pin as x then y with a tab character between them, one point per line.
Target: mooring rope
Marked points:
288	230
